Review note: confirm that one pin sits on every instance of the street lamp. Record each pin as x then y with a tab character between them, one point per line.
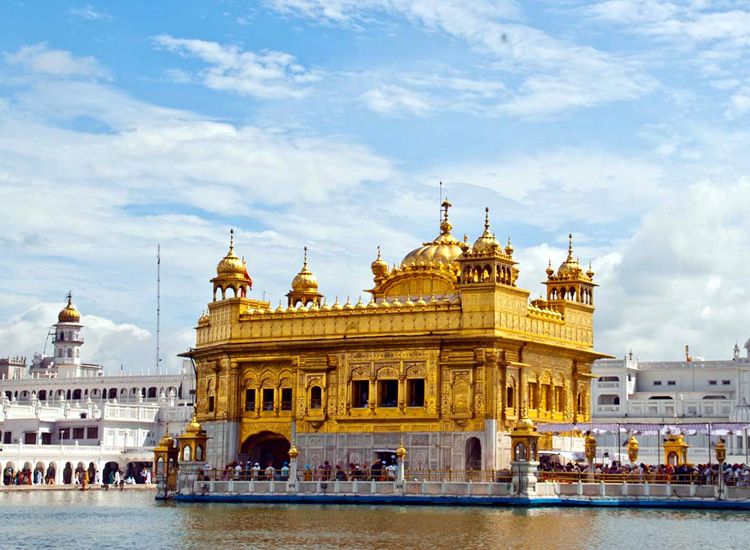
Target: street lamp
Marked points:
721	455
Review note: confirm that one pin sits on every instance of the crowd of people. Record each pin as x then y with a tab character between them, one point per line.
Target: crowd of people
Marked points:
81	476
380	470
699	474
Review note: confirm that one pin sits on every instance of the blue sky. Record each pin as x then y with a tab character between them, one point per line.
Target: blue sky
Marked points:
329	123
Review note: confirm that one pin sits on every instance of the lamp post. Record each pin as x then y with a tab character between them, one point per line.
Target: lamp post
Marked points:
721	455
401	455
291	483
590	448
633	449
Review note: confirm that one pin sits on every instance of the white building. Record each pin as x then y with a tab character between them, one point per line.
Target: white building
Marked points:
693	396
63	414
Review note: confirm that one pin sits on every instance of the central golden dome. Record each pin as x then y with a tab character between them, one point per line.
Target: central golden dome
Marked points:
442	251
69	314
305	281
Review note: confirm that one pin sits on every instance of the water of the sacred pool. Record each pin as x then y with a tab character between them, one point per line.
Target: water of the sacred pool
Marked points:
132	520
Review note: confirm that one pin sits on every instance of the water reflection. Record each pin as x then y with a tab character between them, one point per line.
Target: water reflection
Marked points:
133	520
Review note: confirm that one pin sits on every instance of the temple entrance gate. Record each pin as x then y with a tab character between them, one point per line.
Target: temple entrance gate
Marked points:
266	448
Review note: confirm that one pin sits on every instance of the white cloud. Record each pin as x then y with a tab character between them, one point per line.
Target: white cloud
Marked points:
739	104
40	59
388	99
265	74
430	91
90	13
682	278
555	74
106	342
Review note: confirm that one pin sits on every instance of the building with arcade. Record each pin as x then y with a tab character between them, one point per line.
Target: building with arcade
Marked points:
60	415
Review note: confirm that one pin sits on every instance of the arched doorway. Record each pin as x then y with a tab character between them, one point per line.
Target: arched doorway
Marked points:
266	448
67	473
108	474
473	454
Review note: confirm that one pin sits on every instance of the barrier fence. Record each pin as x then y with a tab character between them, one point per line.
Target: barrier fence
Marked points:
469	476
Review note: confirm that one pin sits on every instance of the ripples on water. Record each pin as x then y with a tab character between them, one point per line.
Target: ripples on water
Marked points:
132	520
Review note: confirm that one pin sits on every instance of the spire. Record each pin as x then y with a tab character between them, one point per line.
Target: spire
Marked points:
70	297
445	225
231	241
570	247
486	218
304	262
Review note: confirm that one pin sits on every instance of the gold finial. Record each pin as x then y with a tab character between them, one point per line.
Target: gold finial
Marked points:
70	297
304	263
445	225
231	240
378	258
486	218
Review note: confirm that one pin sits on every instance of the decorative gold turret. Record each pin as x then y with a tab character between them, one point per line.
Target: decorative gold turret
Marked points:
231	275
304	287
487	261
69	314
675	450
379	268
524	441
570	283
192	443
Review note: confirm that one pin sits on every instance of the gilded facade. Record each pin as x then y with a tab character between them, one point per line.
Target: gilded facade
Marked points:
446	355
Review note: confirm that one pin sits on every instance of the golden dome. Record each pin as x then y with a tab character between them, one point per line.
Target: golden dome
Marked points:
69	314
230	264
570	267
166	440
305	281
442	251
524	424
486	243
193	427
379	266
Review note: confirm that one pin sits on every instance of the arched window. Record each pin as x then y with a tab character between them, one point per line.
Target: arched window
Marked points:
316	397
76	394
59	352
70	352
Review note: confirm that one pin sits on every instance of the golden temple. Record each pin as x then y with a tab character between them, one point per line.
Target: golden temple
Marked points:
446	356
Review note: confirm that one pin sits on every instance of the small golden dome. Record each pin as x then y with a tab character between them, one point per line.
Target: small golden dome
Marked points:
486	243
379	267
305	281
509	248
69	314
193	427
230	264
442	251
166	440
570	267
525	424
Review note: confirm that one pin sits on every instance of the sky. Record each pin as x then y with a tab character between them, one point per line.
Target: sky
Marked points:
330	123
